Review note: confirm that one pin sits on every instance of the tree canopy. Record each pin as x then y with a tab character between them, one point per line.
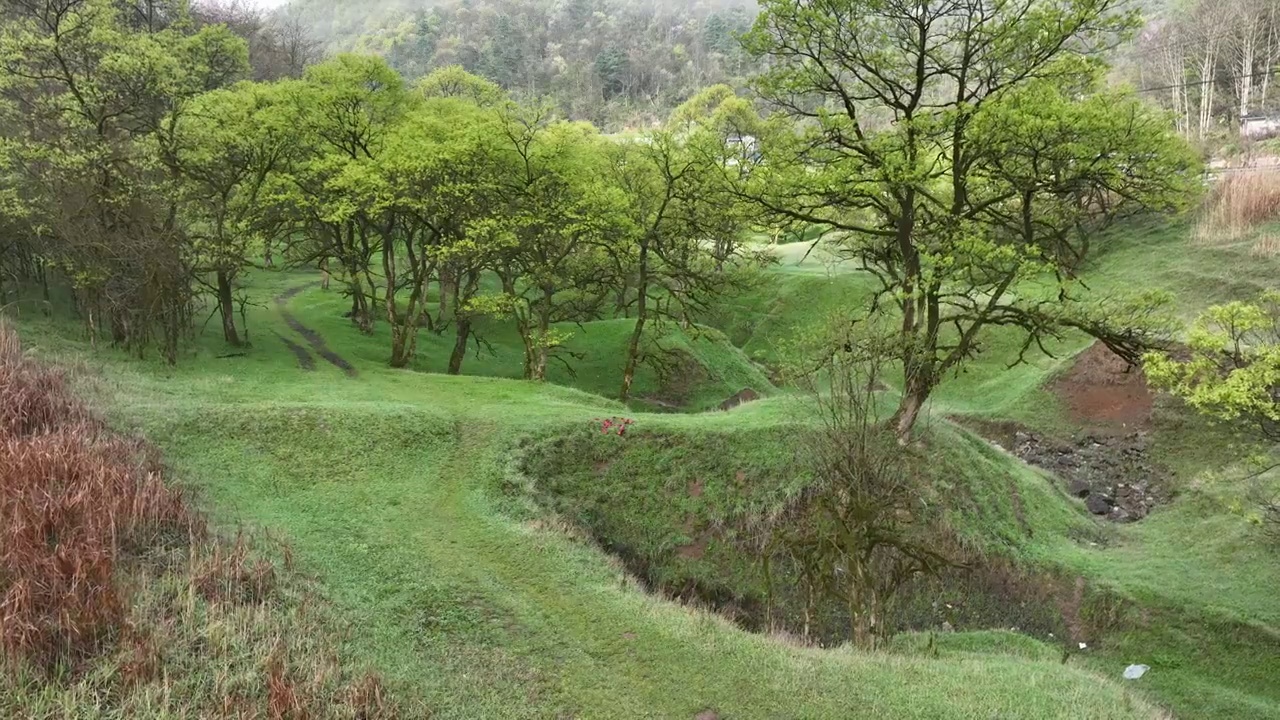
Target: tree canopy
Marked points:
960	153
958	150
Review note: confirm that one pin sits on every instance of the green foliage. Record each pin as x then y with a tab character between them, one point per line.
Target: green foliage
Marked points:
959	156
86	94
1232	370
616	63
454	81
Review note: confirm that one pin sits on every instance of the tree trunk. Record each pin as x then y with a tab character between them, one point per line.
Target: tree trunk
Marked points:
540	368
1246	71
359	304
226	307
544	329
642	315
620	302
119	331
1208	62
400	355
448	286
43	271
460	345
914	395
403	326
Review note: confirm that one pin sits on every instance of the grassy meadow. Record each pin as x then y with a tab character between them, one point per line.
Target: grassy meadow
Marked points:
457	527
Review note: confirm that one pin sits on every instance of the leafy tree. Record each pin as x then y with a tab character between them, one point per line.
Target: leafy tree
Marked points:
455	82
947	148
226	147
1230	371
565	216
671	220
612	65
87	85
346	108
439	184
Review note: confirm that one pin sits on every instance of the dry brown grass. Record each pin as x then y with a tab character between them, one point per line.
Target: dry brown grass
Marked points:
1238	206
114	589
75	498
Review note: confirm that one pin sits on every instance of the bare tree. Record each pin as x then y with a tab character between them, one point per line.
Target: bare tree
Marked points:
279	44
1248	36
860	532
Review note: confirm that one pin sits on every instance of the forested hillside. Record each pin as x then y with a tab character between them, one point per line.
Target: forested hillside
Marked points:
624	62
613	62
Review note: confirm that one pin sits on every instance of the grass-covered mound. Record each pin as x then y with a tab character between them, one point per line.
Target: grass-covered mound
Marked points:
679	505
686	369
685	507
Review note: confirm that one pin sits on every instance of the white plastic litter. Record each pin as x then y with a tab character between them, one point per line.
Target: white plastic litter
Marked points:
1133	672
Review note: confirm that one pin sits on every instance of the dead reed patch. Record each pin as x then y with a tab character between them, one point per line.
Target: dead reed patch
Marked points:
1239	204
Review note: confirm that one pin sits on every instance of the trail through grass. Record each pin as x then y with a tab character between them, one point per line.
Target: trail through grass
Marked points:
389	487
394	489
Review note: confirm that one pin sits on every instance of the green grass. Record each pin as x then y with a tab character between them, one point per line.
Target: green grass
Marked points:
593	355
390	489
400	491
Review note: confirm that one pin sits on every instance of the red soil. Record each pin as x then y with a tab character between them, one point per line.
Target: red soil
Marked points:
1100	390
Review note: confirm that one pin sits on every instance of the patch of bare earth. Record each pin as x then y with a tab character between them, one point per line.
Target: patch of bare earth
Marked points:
1103	393
742	397
1108	463
312	337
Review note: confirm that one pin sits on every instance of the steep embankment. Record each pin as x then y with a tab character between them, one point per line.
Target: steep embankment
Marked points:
1185	589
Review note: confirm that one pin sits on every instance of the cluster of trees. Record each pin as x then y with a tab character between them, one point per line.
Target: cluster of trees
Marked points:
967	154
425	192
611	62
954	151
1212	63
93	94
145	170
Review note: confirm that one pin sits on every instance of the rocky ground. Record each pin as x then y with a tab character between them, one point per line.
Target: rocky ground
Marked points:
1113	474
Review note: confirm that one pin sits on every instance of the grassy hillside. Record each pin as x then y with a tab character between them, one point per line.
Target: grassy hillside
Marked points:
390	487
457	521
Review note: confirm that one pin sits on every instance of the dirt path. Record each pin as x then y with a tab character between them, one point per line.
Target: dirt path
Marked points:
305	361
313	338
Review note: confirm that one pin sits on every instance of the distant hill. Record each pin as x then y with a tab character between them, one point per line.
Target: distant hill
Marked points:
613	62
